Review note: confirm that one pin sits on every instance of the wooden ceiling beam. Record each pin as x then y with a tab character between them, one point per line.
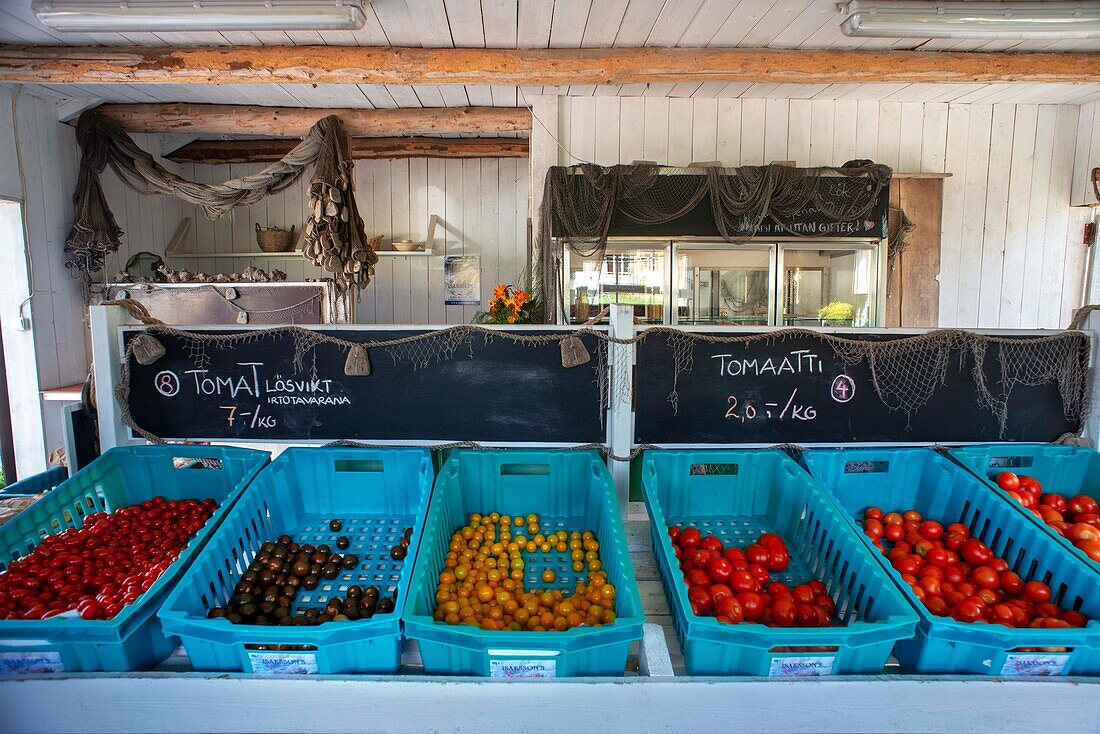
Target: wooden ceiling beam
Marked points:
268	151
370	65
214	119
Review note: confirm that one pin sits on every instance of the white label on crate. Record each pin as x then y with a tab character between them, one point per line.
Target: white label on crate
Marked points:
802	667
523	668
1034	664
29	663
283	663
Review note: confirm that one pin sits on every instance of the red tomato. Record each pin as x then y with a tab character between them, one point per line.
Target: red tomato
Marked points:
873	513
759	573
713	544
1091	549
752	605
689	538
1008	481
931	530
772	541
700	599
894	532
1037	591
673	533
730	608
784	613
976	552
697	577
892	518
803	594
1011	582
757	553
719	569
906	565
1079	531
779	561
967	610
1055	501
936	557
873	528
720	591
742	580
1050	515
736	557
1030	486
1081	504
936	605
1075	619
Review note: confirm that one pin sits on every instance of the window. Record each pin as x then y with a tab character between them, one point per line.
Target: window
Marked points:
798	283
829	286
625	275
723	286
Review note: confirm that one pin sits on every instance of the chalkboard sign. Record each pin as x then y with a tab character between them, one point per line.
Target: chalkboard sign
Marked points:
797	390
494	390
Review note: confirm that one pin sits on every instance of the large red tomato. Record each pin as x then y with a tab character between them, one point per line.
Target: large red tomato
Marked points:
1008	481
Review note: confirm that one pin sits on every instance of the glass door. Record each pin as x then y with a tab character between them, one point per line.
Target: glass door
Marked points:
723	284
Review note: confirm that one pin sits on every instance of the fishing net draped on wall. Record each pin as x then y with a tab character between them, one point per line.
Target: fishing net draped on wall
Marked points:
333	217
580	202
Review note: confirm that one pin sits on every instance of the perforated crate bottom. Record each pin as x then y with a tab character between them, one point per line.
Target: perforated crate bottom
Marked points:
371	538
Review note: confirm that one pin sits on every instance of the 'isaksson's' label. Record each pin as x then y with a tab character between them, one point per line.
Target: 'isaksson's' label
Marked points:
1035	664
523	668
802	667
283	663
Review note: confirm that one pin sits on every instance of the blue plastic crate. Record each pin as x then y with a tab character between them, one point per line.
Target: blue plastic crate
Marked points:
921	479
737	495
37	484
568	490
123	476
1067	470
377	493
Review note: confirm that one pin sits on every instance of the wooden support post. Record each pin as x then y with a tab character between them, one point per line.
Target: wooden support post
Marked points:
620	415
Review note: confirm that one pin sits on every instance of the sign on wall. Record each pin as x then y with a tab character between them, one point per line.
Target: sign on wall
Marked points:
462	280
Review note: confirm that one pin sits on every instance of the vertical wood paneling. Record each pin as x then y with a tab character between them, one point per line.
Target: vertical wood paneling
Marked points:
776	123
996	213
1019	194
1037	212
704	132
680	116
729	132
958	127
975	187
752	132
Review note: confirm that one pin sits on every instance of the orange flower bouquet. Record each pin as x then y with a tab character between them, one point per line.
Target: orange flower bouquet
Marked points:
509	305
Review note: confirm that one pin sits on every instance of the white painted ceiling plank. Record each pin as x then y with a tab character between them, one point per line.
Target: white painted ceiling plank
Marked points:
454	96
430	20
568	23
819	14
393	17
480	95
534	23
501	23
741	22
429	95
672	22
638	21
779	17
604	19
706	22
467	29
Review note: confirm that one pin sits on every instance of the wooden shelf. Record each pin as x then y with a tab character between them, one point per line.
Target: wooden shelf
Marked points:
395	253
66	394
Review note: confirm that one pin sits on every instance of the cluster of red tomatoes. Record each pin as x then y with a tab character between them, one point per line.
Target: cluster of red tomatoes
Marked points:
956	575
110	561
1076	518
734	585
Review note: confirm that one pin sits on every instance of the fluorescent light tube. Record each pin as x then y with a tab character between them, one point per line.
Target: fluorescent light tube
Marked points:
199	15
975	19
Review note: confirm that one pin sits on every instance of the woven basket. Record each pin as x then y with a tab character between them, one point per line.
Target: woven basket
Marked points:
274	239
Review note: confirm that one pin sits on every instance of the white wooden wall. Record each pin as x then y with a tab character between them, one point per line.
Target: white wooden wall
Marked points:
1011	254
482	204
54	353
